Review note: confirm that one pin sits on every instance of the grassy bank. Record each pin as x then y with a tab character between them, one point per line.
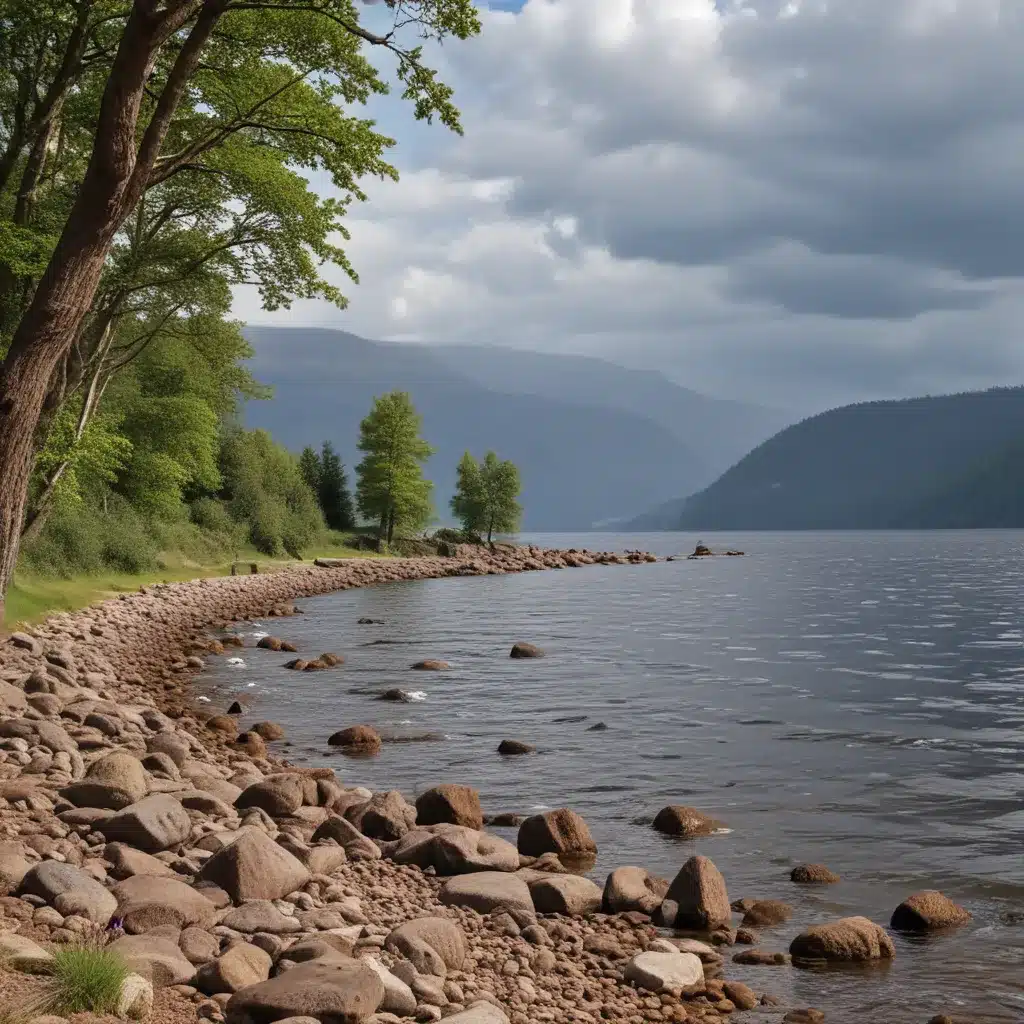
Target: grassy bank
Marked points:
34	596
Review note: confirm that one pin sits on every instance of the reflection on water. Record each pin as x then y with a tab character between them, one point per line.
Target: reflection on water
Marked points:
854	699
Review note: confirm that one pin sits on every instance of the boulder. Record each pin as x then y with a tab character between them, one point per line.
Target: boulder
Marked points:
14	865
662	972
260	916
511	748
333	992
700	895
490	892
928	911
431	665
269	730
522	650
70	890
356	739
113	782
126	861
278	795
135	1000
198	946
384	816
452	805
241	966
562	831
159	960
398	997
851	939
813	874
455	850
433	945
479	1013
571	895
145	902
633	889
254	867
743	997
155	823
766	913
677	820
223	723
20	953
174	746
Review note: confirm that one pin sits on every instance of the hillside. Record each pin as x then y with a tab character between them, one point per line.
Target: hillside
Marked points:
583	458
924	462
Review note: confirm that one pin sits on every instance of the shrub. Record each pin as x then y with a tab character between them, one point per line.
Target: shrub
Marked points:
85	978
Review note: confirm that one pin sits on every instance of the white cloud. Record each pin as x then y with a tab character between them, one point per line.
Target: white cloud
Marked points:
805	202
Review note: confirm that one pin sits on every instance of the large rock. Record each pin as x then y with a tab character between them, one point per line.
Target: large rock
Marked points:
242	965
632	888
700	895
662	972
114	781
928	911
146	902
490	892
479	1013
333	992
70	890
813	874
254	867
452	805
20	953
356	739
454	850
766	914
174	746
677	820
571	895
135	1000
14	865
522	650
433	945
384	816
278	795
155	958
155	823
851	939
563	832
260	916
398	997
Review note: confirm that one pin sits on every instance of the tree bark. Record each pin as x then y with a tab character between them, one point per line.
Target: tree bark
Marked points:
114	181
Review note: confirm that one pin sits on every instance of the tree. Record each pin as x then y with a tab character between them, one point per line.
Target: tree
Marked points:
486	496
100	103
333	493
309	467
391	489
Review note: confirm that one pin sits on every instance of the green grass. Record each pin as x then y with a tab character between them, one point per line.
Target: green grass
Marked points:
84	978
33	596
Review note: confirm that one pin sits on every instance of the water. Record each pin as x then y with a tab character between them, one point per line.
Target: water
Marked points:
855	699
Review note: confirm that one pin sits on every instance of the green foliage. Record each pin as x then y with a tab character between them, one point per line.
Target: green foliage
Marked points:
85	978
332	491
486	496
309	467
391	489
264	488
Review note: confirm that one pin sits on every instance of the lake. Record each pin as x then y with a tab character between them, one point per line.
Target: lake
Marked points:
855	699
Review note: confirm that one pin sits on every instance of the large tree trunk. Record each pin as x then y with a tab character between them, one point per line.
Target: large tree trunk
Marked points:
115	179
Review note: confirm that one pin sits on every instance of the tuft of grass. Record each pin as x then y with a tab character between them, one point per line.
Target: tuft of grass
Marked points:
85	978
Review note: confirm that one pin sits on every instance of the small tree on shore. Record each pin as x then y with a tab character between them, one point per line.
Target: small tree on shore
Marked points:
309	467
486	496
332	490
391	489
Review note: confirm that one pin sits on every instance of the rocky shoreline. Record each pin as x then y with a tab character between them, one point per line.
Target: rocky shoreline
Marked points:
241	888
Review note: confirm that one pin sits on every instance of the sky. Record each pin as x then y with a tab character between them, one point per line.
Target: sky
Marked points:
800	203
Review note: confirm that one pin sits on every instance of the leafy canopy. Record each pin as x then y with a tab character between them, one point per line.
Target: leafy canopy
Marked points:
486	496
391	488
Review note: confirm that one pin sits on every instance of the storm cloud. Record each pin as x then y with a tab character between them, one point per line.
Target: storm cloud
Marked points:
802	203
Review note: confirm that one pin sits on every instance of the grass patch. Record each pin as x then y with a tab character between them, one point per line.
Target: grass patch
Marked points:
33	595
84	978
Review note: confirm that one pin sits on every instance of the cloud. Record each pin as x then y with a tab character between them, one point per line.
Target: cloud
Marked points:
798	201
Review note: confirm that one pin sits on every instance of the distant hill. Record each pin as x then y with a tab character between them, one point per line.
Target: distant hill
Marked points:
953	460
593	441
